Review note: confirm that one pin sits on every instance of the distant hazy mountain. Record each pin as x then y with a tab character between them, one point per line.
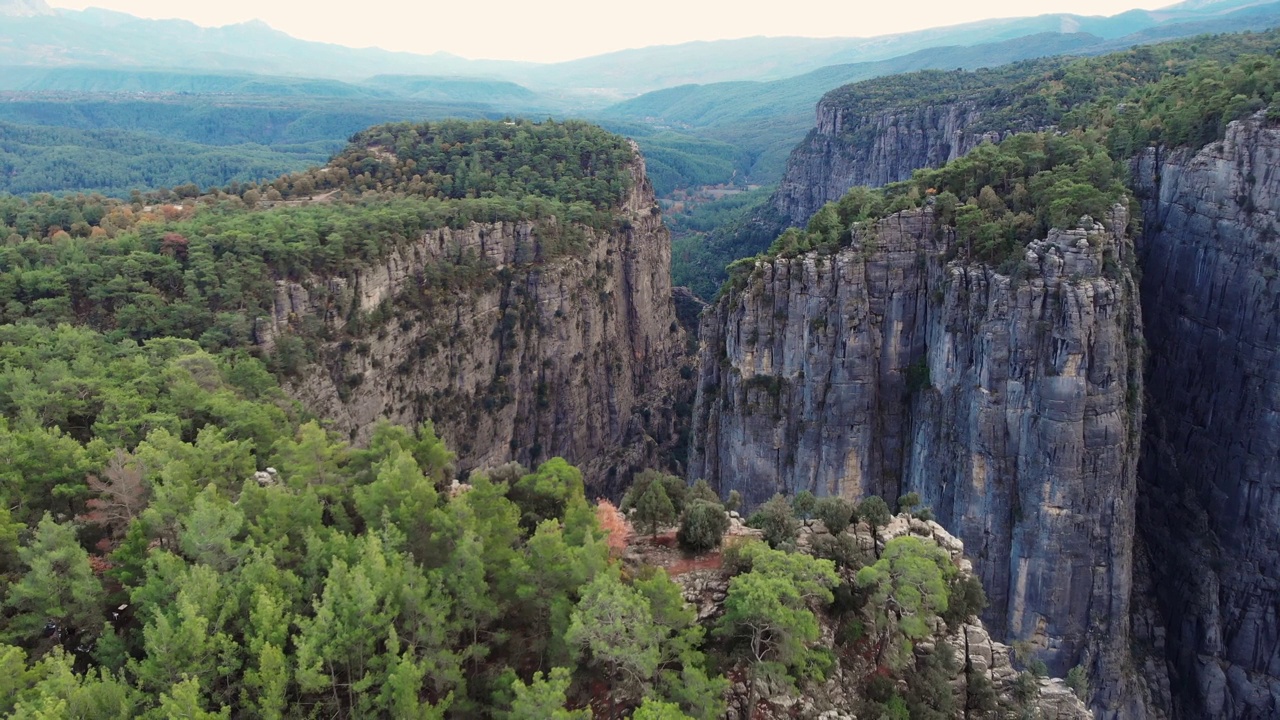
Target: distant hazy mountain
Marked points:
33	34
102	38
500	95
25	8
104	80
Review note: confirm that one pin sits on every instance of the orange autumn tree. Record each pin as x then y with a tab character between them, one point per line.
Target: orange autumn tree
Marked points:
615	524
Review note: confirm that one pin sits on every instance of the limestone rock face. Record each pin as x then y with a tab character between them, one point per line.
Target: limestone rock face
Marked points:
1210	501
848	148
974	650
576	355
1011	401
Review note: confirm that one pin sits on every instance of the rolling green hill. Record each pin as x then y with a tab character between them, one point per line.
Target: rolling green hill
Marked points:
113	162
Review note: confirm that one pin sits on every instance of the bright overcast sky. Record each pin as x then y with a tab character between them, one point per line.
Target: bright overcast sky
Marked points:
552	30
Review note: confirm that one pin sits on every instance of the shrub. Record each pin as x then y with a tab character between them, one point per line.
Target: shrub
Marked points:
674	487
700	490
835	513
777	521
909	502
734	502
841	549
1078	681
702	527
967	599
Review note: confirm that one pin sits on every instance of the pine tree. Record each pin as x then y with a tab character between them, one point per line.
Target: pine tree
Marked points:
58	588
654	509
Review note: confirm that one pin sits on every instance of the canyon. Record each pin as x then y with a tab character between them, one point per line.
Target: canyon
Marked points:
1095	421
1099	428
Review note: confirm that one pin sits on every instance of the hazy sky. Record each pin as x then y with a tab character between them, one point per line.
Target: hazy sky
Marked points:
551	30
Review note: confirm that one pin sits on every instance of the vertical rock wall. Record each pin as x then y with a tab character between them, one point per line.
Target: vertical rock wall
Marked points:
848	148
1010	403
1210	500
576	355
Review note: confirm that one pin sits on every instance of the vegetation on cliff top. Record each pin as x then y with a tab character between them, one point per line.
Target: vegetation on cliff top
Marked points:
1001	196
1066	93
997	198
204	266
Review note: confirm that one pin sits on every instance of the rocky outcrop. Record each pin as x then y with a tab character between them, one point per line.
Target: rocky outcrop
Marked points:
1210	500
849	148
973	649
514	352
1010	400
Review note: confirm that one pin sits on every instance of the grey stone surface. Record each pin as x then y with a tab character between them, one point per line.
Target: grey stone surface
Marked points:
1210	501
848	148
1022	435
576	356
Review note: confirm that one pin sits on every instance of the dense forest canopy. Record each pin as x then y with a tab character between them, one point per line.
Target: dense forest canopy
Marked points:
53	159
177	539
1014	192
203	266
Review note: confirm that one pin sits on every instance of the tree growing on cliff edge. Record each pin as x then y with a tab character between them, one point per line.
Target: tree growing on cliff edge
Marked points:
876	513
767	612
907	586
803	503
613	629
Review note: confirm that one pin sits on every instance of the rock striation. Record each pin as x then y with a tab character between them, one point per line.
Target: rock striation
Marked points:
533	356
847	148
1210	497
1204	624
1010	400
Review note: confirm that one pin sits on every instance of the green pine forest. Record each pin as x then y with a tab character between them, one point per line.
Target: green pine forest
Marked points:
178	538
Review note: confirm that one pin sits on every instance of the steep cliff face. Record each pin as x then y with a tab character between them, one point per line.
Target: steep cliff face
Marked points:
1210	502
529	357
848	148
1012	404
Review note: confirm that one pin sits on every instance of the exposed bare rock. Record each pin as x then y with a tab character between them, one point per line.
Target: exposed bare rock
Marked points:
1010	400
848	148
575	355
1211	497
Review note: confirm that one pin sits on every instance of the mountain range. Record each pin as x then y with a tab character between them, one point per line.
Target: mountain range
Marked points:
35	34
703	113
